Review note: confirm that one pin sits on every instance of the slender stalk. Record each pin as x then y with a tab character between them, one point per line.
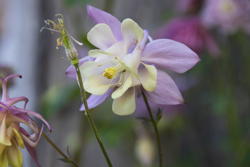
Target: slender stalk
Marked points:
154	123
88	115
58	150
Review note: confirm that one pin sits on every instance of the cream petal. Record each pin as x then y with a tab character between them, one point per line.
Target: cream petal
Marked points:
4	138
132	62
91	68
148	77
4	160
132	32
117	50
18	137
97	53
2	147
125	105
15	156
97	84
101	36
123	88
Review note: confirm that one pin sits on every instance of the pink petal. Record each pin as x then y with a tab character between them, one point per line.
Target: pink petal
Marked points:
32	153
12	101
4	85
169	54
166	92
34	114
212	46
100	16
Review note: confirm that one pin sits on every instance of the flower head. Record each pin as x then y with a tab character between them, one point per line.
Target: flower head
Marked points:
13	124
229	15
190	31
127	59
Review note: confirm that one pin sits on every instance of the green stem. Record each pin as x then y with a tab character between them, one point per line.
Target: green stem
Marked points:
88	115
154	123
58	150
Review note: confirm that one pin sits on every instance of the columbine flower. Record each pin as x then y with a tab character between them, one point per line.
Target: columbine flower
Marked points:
125	61
230	15
13	135
190	31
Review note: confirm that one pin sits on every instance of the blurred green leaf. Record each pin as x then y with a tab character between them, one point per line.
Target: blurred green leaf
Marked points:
76	2
58	97
116	131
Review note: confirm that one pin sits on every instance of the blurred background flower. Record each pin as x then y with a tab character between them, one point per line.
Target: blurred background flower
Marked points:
229	15
190	31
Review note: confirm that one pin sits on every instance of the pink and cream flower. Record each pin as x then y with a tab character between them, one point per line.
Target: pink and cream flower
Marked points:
14	122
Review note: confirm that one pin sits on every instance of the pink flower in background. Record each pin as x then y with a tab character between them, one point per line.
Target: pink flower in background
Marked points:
125	61
14	122
228	15
190	31
189	6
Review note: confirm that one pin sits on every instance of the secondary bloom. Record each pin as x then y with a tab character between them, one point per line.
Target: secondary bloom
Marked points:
190	31
13	124
229	15
125	61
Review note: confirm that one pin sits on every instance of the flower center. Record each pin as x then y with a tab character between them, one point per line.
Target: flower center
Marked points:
109	72
227	7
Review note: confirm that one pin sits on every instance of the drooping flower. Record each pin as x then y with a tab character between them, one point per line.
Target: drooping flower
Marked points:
14	122
229	15
191	32
125	61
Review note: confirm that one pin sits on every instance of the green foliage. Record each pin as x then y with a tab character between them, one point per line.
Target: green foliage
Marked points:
76	2
58	97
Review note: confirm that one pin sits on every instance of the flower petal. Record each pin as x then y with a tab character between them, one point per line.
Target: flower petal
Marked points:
95	100
71	72
32	153
4	160
148	77
4	137
125	104
100	16
123	88
15	156
141	109
169	54
101	36
132	32
166	92
96	85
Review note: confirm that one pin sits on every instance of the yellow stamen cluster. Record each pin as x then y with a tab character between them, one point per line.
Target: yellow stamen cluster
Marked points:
109	72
